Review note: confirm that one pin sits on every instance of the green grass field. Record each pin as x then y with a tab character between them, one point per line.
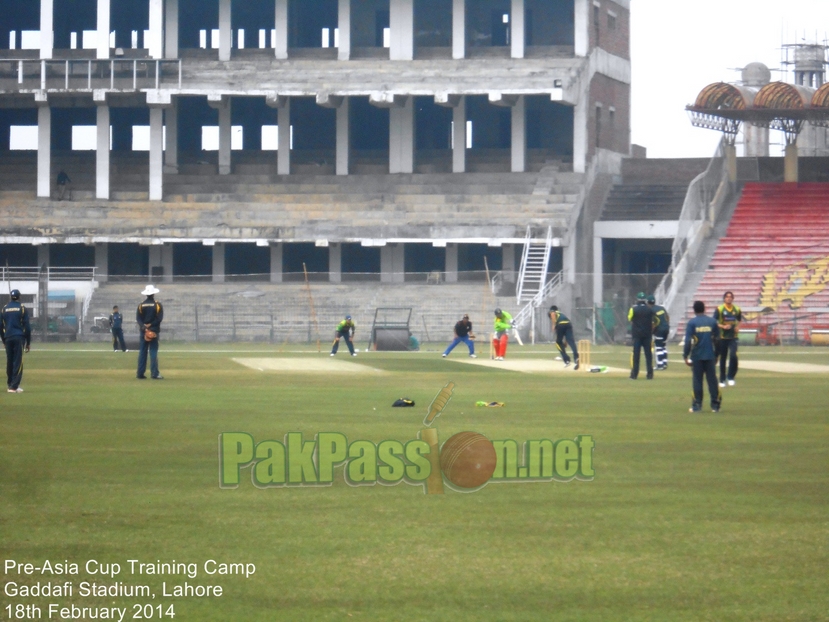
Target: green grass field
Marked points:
689	517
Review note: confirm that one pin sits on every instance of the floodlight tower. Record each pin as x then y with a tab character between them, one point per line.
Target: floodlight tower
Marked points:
809	63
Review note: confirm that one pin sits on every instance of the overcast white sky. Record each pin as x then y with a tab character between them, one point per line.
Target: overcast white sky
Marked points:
677	48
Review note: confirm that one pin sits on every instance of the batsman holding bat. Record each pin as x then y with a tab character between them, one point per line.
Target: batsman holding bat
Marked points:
345	330
503	323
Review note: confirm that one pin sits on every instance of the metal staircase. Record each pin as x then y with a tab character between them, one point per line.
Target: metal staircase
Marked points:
534	262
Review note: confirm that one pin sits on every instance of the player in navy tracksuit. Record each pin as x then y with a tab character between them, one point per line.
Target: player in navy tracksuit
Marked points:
115	325
16	334
564	332
641	331
700	352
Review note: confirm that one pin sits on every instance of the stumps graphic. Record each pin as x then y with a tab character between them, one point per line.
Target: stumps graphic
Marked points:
467	460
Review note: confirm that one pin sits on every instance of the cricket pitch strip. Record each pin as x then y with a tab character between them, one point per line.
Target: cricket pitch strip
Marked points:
328	365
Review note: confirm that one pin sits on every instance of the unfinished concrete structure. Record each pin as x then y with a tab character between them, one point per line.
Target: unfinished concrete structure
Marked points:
397	138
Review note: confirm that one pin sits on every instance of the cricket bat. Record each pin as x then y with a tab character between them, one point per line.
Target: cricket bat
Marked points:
439	403
517	336
434	483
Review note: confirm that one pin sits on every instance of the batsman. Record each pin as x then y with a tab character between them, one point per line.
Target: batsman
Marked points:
345	330
503	323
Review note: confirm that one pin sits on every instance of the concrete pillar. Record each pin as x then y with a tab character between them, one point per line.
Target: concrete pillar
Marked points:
171	29
401	23
581	25
102	43
756	141
344	27
598	275
224	136
335	263
459	137
101	261
281	26
458	29
568	260
401	138
225	36
343	137
167	262
790	172
391	263
102	154
517	29
218	263
730	152
156	153
276	262
519	135
580	117
44	152
508	268
283	153
155	46
171	150
43	255
47	35
451	268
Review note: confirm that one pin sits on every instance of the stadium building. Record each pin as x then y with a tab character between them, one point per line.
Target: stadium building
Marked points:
438	155
386	140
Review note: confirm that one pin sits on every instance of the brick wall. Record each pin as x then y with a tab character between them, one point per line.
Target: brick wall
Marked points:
609	25
609	117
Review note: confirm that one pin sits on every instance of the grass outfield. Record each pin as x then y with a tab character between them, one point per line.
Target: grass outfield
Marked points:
688	517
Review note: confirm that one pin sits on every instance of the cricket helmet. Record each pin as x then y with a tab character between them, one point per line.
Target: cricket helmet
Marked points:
14	294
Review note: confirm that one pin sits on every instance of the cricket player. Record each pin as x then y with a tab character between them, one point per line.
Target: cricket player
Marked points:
661	329
503	323
641	330
116	321
463	333
16	333
345	330
564	332
700	353
728	317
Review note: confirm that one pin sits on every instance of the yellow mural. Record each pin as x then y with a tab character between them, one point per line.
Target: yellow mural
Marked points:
805	278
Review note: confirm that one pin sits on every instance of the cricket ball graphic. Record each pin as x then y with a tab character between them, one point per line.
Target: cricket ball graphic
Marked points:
468	459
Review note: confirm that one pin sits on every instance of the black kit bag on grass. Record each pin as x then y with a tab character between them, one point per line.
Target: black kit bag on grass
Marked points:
403	402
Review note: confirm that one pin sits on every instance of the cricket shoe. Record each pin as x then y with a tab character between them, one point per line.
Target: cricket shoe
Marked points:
693	409
12	391
716	409
332	354
443	355
566	364
731	383
472	356
722	385
576	366
353	354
